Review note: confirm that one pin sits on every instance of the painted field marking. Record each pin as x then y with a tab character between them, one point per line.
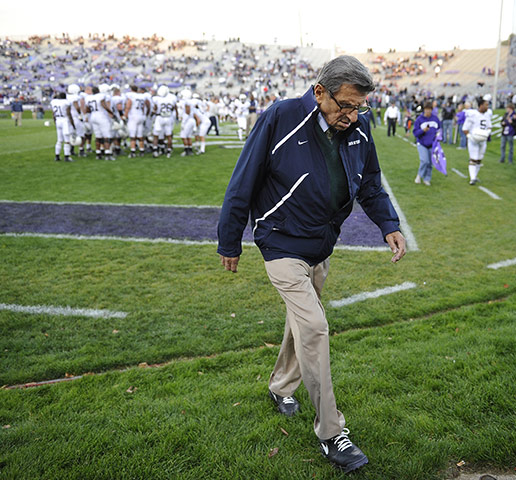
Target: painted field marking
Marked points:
483	189
505	263
405	227
360	297
459	173
108	204
405	139
490	193
63	236
65	311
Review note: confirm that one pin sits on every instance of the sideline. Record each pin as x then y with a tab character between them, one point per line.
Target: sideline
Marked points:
65	311
64	236
405	227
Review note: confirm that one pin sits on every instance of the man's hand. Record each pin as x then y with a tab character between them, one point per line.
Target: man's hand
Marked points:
230	263
397	243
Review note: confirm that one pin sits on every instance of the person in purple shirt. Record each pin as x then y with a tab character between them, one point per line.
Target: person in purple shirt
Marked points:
425	130
460	118
508	123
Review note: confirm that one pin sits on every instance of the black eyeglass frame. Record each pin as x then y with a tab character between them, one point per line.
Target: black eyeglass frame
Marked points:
347	108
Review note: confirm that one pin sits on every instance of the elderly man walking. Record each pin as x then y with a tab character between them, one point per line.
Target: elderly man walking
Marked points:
17	111
304	163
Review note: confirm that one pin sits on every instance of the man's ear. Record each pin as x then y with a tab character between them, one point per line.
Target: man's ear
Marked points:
318	92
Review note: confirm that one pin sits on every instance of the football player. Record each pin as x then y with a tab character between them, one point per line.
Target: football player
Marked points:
98	104
165	109
117	107
477	128
61	111
136	109
187	121
241	112
202	122
86	118
75	107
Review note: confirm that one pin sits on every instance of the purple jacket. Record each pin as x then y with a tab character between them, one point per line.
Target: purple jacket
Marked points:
426	138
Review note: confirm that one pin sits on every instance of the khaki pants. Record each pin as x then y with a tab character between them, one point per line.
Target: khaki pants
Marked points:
17	119
305	350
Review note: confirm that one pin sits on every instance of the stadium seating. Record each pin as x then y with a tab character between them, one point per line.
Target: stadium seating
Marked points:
33	68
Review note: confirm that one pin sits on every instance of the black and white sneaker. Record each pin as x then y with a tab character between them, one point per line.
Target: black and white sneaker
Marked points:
288	406
342	453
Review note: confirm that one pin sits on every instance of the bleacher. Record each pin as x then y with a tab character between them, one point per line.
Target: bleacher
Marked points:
226	67
461	72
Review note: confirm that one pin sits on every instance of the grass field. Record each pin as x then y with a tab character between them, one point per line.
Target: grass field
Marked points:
426	377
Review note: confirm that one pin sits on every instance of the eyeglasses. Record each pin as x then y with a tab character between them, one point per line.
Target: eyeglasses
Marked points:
347	108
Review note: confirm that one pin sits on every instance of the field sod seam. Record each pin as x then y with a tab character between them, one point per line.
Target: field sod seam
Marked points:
63	311
145	365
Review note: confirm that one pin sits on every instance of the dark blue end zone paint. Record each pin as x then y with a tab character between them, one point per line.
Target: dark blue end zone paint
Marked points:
180	223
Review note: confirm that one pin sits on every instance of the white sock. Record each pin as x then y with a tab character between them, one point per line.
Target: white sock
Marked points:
473	171
67	149
240	133
203	146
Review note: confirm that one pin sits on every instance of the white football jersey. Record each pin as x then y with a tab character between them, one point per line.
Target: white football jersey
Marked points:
241	108
182	106
72	99
199	107
137	104
476	120
117	102
164	106
59	107
94	103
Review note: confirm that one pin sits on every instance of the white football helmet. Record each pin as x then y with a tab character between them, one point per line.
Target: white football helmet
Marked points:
104	88
186	94
196	95
163	91
73	89
114	86
478	135
75	140
242	97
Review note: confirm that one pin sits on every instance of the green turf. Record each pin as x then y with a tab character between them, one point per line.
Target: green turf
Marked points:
425	377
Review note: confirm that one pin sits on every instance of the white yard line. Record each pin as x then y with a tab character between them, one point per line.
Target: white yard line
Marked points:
405	227
62	236
483	189
490	193
108	204
405	139
459	173
505	263
66	311
360	297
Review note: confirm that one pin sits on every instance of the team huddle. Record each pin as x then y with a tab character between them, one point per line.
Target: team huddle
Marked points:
147	121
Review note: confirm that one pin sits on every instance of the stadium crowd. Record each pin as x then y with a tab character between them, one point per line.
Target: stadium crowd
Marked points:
32	69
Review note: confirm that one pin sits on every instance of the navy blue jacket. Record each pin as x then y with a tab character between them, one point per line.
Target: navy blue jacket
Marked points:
281	178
